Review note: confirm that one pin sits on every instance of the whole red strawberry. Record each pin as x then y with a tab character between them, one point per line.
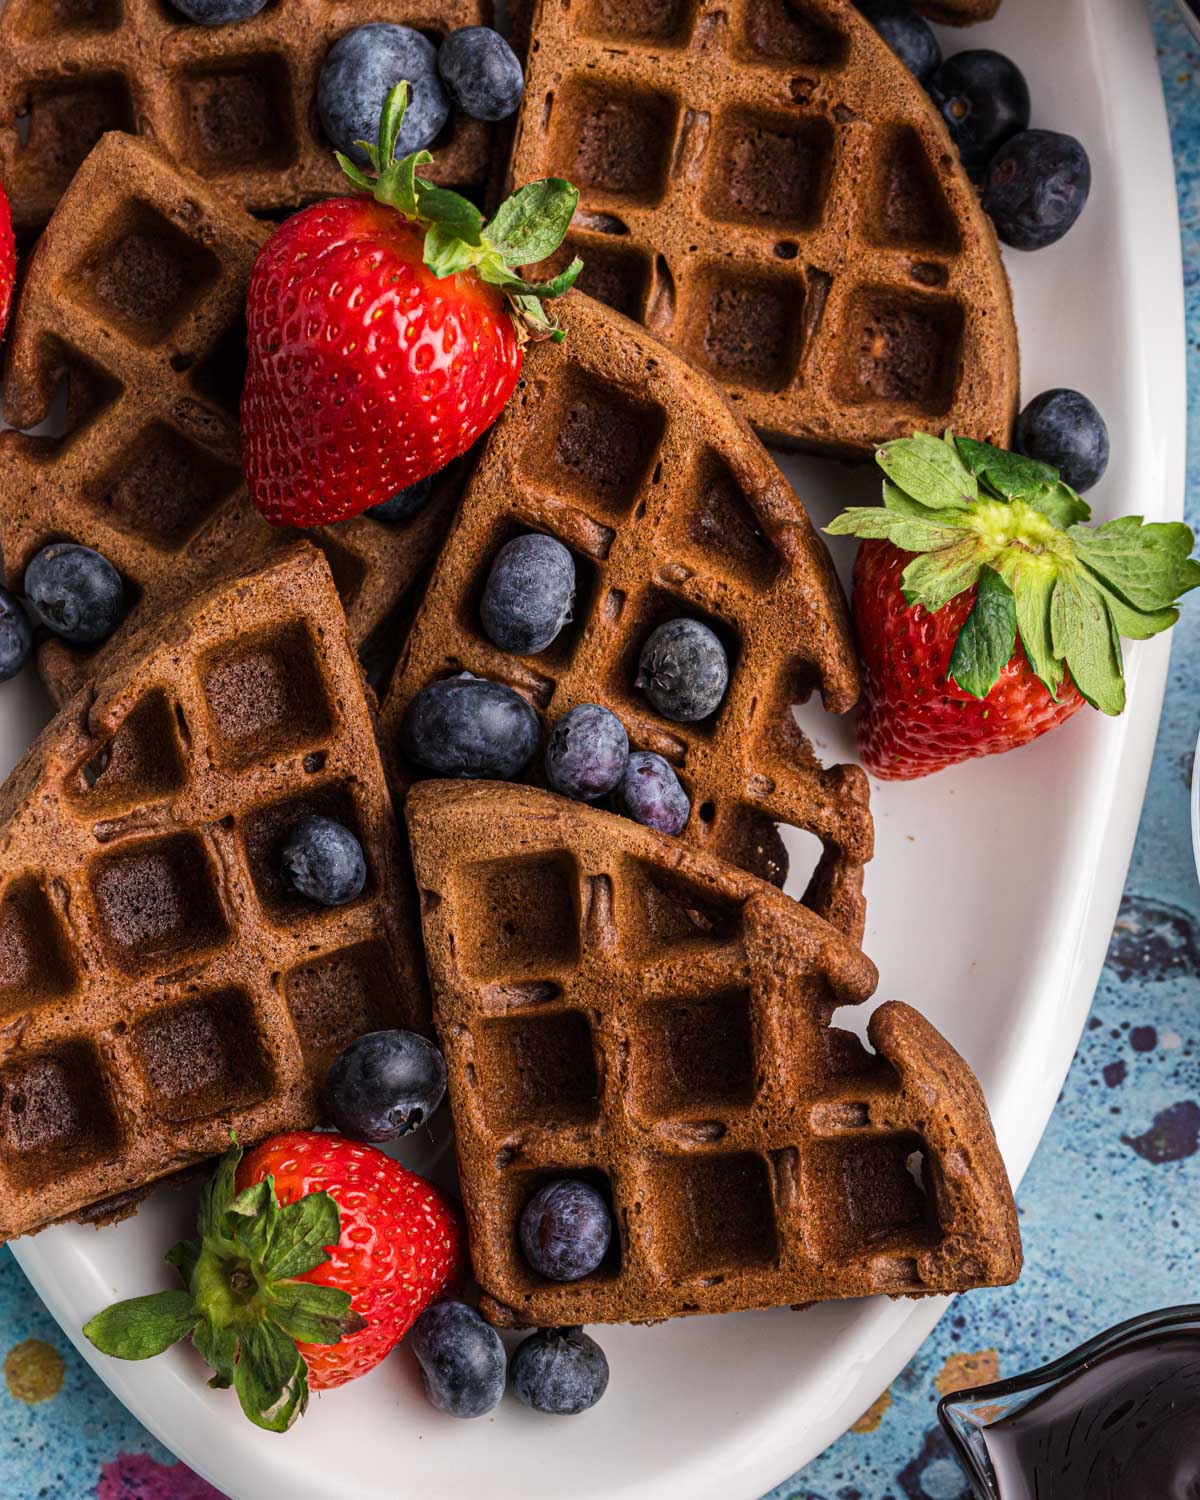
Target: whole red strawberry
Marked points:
986	612
315	1255
8	260
385	332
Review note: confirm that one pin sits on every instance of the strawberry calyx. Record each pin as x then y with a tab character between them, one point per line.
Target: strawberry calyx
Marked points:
1010	528
526	228
242	1306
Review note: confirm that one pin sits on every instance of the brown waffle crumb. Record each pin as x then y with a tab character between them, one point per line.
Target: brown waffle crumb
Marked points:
237	104
134	303
618	1006
670	507
769	190
158	983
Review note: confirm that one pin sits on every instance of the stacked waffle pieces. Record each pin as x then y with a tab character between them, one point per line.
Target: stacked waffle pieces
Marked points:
236	103
767	188
158	983
134	301
618	1007
671	507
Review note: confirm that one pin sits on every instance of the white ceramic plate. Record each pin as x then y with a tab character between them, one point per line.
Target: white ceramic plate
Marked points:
991	901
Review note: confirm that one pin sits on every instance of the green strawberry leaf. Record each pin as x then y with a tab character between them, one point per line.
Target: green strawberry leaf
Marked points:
355	173
533	222
908	533
559	284
988	637
183	1257
216	1344
303	1232
930	471
445	254
1033	599
934	578
391	118
451	213
218	1192
1147	565
142	1326
271	1378
251	1216
1136	624
1083	635
314	1314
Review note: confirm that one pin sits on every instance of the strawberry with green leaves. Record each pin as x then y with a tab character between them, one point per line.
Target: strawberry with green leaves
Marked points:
986	611
315	1256
386	332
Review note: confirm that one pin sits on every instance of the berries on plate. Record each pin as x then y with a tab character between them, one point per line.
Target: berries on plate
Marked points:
324	861
1036	188
650	793
386	331
314	1257
384	1085
984	100
909	35
986	612
561	1371
1062	428
404	504
683	670
461	1357
481	73
16	636
75	592
469	727
8	259
355	78
565	1229
529	593
587	753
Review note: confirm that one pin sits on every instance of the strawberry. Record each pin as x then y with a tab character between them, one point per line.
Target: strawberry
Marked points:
386	332
986	612
315	1255
8	259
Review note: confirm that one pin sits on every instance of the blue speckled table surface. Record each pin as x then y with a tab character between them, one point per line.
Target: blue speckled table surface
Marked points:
1120	1160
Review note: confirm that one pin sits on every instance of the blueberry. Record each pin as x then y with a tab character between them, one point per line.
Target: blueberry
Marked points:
218	12
1036	187
356	77
566	1229
984	100
481	73
587	752
461	1359
1062	428
16	636
467	726
383	1085
650	793
528	596
324	861
404	504
909	35
683	670
559	1370
75	592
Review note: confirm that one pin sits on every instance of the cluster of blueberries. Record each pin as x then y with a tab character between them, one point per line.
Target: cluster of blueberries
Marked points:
1035	182
469	726
385	1085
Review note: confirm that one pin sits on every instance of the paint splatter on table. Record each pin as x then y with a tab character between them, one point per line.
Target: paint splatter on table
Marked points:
1120	1157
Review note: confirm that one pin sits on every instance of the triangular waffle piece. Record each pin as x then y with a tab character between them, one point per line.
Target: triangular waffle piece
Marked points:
237	103
671	507
767	188
159	985
617	1006
134	299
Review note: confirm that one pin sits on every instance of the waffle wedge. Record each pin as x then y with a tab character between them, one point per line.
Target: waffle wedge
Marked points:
618	1006
159	984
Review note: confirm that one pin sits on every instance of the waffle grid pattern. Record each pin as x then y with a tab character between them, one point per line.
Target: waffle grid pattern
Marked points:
135	301
670	508
159	985
766	188
235	103
619	1009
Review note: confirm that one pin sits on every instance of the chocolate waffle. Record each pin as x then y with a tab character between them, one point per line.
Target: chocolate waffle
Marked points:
767	188
617	1006
134	301
159	984
670	507
236	103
